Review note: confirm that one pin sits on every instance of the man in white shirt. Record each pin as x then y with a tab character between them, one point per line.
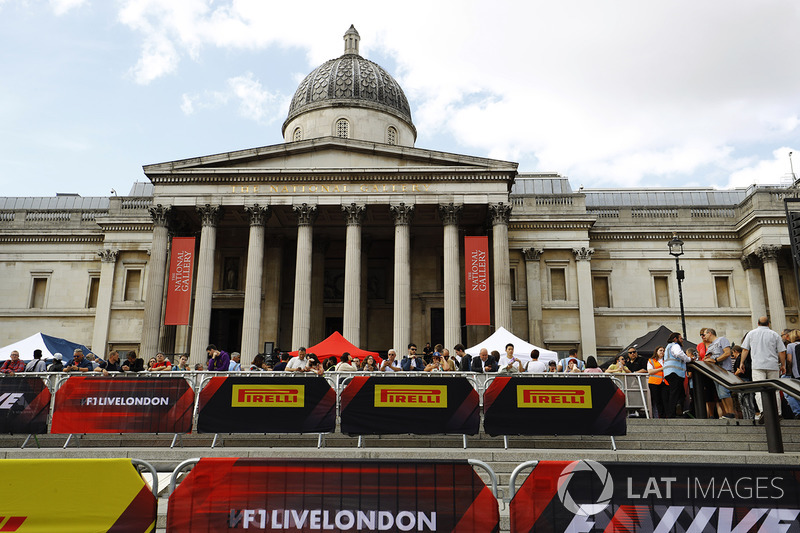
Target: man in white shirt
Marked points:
389	364
298	363
534	365
769	357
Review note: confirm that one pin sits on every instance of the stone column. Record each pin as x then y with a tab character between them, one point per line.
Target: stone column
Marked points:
533	280
157	271
768	254
102	313
585	300
271	306
301	320
500	213
351	323
201	320
402	214
450	215
251	321
755	287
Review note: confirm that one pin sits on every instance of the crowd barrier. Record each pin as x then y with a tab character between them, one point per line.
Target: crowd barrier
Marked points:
363	403
56	495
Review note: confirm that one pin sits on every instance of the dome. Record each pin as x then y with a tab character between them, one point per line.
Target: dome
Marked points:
350	81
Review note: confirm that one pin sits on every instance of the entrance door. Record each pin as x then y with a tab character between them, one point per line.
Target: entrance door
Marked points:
332	325
226	329
437	327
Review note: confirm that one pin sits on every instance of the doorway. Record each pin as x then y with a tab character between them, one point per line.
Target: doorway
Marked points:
226	329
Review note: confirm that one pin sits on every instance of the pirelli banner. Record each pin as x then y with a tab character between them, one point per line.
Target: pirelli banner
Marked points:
275	405
325	495
90	404
569	405
588	496
82	495
424	406
24	405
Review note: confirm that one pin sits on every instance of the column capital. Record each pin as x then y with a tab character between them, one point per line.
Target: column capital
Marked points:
160	215
403	214
500	213
749	261
768	253
583	253
532	254
258	214
209	214
108	255
450	213
354	213
306	214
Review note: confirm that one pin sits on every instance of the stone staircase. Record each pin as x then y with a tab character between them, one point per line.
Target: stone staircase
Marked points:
678	440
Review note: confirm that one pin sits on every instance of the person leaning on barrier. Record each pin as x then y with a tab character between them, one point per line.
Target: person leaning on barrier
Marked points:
412	363
298	363
619	366
484	362
132	363
236	362
464	359
182	364
635	363
258	364
511	365
79	363
37	364
448	361
390	364
535	366
162	363
436	363
218	360
591	366
112	364
58	363
13	365
284	360
563	365
344	364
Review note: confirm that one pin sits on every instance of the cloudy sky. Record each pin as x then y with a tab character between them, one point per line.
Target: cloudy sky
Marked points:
614	93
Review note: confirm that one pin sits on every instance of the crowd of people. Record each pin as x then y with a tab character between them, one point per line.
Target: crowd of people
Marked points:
763	354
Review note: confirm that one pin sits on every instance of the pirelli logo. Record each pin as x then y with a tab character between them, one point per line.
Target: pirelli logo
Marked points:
268	396
554	396
411	396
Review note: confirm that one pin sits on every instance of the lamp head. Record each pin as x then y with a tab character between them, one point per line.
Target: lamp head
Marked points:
675	246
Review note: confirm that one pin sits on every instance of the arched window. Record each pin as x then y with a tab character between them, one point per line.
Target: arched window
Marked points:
343	128
391	135
298	134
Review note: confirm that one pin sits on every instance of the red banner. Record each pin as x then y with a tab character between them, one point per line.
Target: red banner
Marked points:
317	495
24	405
179	287
476	279
89	404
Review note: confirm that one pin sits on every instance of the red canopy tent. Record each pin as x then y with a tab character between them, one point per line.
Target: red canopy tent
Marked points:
336	345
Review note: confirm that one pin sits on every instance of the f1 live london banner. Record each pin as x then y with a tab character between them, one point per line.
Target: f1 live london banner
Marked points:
423	406
476	279
82	495
24	405
587	496
326	495
123	405
568	405
305	404
179	286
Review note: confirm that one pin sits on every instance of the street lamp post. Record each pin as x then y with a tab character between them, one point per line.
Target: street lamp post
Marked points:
676	250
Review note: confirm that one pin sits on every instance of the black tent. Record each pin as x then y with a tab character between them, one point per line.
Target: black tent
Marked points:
648	342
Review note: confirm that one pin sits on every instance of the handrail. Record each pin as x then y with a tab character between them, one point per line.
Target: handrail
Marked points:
153	472
512	481
492	475
173	480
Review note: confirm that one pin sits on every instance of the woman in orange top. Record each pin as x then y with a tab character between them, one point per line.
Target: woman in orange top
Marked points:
656	382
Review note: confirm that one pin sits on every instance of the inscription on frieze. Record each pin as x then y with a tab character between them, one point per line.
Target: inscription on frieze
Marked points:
330	188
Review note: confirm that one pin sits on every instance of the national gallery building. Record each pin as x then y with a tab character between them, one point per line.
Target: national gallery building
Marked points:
347	226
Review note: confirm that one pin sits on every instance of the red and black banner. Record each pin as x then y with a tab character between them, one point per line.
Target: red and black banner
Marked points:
569	405
423	406
294	495
24	405
588	496
89	404
230	404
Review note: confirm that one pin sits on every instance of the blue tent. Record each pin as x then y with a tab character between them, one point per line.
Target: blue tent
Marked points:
47	344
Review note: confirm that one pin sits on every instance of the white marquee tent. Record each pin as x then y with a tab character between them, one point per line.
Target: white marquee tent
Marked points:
522	350
47	344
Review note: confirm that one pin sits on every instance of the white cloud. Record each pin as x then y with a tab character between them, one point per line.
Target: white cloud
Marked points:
253	101
60	7
772	171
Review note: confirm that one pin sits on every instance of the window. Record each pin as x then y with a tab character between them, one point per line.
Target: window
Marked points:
38	293
558	284
513	281
133	284
343	128
391	135
722	288
94	289
298	134
661	287
600	292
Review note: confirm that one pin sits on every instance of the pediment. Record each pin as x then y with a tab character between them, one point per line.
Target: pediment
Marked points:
329	154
